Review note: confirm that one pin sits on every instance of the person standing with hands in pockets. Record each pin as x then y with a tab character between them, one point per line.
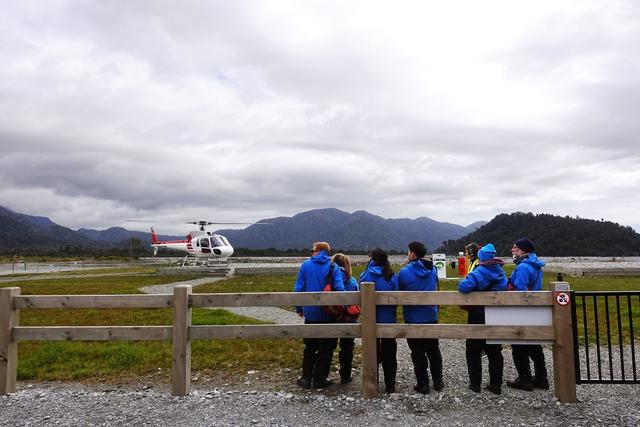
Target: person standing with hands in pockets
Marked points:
420	275
527	276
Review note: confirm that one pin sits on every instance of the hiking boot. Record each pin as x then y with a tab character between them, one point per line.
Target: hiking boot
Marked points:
305	383
422	388
495	389
390	389
324	383
521	384
475	388
346	380
541	383
438	385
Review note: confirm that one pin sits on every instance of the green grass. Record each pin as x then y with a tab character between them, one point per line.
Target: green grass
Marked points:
121	360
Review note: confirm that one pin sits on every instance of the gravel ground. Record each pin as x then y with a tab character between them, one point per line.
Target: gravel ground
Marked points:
271	399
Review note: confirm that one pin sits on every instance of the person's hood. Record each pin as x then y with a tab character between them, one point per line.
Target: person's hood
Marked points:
322	258
533	261
421	267
493	269
374	269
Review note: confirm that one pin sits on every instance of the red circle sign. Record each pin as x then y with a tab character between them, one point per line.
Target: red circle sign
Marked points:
562	298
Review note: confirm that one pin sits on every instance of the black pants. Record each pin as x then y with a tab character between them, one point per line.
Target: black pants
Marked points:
425	353
474	354
522	354
387	349
317	355
345	356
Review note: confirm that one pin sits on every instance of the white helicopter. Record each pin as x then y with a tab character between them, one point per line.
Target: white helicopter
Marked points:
203	247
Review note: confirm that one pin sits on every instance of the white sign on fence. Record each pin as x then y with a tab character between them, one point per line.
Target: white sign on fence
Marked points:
519	316
440	262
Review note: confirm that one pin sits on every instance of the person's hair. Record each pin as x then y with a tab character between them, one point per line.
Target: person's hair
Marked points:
380	257
472	249
343	261
418	248
322	246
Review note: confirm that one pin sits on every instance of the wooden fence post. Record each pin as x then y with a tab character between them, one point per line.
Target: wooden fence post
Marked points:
181	360
564	371
369	340
8	347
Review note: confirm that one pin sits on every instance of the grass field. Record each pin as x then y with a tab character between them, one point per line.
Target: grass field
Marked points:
120	360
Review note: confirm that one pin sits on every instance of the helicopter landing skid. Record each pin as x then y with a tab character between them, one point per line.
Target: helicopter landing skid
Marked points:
190	261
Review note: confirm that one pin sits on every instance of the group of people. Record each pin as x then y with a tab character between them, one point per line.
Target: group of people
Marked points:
485	273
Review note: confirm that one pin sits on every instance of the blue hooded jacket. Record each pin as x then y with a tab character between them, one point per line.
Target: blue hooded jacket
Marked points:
373	273
527	275
487	276
419	275
349	285
311	278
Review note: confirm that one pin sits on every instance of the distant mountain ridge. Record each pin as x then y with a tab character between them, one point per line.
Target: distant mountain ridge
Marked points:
343	230
553	236
37	233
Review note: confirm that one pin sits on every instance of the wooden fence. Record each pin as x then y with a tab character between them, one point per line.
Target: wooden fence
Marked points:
182	331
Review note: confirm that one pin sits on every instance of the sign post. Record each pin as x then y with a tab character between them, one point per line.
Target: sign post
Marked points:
440	262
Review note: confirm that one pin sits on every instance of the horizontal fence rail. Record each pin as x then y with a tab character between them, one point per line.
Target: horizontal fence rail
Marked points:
182	331
604	337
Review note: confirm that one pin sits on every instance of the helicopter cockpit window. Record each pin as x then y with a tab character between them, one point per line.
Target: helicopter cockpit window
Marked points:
215	241
204	242
224	239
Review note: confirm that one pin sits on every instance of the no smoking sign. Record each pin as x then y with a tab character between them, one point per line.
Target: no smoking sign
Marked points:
562	298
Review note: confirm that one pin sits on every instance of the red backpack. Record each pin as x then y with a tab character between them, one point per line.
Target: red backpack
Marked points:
339	312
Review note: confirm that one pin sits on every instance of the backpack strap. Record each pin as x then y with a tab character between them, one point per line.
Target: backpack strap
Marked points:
329	277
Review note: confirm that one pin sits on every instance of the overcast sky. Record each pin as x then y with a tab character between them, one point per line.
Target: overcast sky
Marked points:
243	110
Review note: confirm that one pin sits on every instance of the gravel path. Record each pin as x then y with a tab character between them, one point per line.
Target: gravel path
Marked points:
254	400
267	314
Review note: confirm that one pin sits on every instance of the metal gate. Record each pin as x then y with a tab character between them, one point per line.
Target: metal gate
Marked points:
604	324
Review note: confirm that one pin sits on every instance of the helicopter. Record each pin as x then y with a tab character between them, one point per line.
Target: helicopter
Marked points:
203	247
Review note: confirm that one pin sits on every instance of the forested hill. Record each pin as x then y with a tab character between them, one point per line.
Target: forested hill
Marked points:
553	236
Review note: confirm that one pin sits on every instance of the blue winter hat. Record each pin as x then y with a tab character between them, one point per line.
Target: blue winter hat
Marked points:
487	252
526	245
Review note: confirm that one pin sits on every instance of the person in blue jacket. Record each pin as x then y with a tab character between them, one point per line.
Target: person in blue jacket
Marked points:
420	275
318	352
379	272
527	276
345	355
488	275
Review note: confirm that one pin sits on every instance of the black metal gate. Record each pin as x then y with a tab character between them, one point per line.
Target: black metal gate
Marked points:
604	324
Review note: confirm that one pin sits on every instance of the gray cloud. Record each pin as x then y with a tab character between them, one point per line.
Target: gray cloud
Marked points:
237	111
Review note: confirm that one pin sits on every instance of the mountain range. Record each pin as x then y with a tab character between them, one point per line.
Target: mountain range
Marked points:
343	230
348	231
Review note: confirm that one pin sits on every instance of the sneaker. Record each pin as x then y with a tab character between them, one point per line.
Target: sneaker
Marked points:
475	388
346	380
495	389
521	384
321	383
438	385
422	388
541	383
305	383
